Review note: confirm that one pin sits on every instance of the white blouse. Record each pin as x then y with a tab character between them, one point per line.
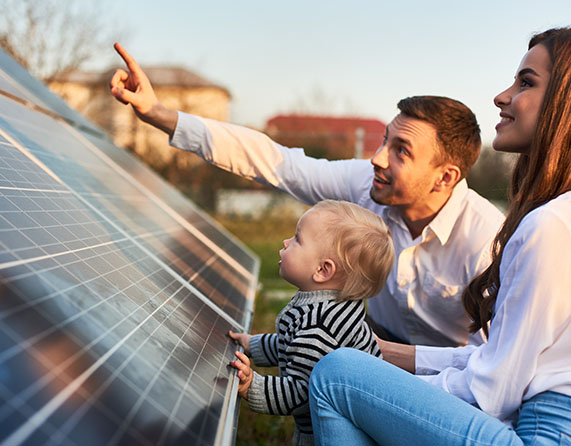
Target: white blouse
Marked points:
529	346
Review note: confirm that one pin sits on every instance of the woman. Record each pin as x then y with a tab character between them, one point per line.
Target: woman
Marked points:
516	388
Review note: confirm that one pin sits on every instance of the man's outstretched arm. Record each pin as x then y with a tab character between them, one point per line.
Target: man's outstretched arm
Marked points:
133	87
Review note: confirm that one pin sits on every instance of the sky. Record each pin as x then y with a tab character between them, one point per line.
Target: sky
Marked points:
356	58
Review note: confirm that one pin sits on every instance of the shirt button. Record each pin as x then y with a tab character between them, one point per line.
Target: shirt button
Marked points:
402	283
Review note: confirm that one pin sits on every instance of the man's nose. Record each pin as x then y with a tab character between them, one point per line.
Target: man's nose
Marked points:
381	158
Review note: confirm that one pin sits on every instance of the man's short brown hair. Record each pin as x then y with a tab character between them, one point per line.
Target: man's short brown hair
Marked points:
456	126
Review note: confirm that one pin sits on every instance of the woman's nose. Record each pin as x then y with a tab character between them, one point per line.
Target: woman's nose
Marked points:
502	98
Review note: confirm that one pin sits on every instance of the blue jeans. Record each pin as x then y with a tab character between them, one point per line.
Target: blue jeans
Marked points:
358	399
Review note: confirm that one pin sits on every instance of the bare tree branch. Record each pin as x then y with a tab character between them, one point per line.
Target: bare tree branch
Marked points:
53	37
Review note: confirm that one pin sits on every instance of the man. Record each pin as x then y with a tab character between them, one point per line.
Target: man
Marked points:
442	230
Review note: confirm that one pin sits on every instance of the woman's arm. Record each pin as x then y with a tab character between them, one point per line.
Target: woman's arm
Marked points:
401	355
529	332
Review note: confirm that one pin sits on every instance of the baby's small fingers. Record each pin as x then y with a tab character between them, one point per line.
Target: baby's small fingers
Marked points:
237	364
243	358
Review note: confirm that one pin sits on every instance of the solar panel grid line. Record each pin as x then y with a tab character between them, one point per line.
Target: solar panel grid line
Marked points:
171	419
124	426
25	89
120	230
24	431
20	94
117	293
175	215
31	156
23	189
168	268
32	340
181	205
52	256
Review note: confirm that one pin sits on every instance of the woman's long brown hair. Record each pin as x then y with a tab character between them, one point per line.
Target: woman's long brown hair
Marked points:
539	176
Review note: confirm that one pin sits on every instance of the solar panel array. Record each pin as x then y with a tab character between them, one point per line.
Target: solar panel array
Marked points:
116	292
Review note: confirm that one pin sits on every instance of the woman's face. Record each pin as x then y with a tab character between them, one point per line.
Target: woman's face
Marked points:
520	103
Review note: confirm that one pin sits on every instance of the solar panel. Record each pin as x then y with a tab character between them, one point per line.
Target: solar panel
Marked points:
117	292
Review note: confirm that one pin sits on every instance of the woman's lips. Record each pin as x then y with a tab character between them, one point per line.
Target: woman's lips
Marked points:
505	120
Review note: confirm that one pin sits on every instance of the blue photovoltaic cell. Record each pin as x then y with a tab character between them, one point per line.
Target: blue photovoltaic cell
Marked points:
116	294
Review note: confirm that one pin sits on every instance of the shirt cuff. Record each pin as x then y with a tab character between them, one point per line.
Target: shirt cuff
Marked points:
190	133
256	395
432	360
257	352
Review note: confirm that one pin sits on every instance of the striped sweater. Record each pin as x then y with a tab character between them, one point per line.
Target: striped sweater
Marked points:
311	325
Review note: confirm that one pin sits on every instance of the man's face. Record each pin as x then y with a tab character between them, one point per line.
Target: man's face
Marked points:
406	167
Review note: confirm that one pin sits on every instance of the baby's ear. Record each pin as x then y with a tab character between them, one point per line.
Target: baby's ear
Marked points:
325	272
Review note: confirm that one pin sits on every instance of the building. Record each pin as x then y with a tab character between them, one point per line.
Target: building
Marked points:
328	137
176	87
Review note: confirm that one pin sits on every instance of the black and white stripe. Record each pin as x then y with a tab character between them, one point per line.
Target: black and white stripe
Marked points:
310	326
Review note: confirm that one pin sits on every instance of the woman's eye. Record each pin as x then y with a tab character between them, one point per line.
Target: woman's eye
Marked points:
525	83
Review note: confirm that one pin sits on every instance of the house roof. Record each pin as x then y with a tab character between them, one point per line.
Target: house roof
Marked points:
163	76
308	125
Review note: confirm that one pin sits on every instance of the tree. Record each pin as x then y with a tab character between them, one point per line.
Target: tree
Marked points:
491	174
54	37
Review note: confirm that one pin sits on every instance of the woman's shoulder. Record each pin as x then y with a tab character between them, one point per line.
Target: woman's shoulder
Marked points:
553	215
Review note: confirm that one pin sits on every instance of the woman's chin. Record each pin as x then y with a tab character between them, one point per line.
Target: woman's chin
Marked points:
500	145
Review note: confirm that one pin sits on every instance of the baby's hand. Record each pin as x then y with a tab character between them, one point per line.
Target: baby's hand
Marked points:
242	339
245	373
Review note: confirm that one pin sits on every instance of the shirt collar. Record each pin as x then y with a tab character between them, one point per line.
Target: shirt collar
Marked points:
446	218
444	221
309	297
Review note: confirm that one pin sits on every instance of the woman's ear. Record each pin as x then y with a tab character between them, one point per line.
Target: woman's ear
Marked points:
325	272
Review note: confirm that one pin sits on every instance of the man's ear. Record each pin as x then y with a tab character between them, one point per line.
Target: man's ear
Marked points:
449	175
325	272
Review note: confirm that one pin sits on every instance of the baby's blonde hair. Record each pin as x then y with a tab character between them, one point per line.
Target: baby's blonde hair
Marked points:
362	246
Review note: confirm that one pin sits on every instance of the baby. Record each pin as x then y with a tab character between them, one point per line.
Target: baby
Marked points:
340	255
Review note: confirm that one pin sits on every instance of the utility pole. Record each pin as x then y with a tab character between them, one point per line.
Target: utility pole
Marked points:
359	142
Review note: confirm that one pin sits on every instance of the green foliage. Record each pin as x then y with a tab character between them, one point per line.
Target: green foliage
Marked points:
491	174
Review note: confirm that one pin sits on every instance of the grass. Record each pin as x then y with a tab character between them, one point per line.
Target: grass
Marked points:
264	236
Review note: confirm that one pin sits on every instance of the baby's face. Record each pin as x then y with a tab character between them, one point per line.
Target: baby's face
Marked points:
302	254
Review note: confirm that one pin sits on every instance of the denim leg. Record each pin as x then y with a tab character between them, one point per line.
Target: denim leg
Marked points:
357	399
545	420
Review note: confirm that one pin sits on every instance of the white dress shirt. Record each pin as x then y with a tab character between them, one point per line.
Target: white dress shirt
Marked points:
421	301
529	346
